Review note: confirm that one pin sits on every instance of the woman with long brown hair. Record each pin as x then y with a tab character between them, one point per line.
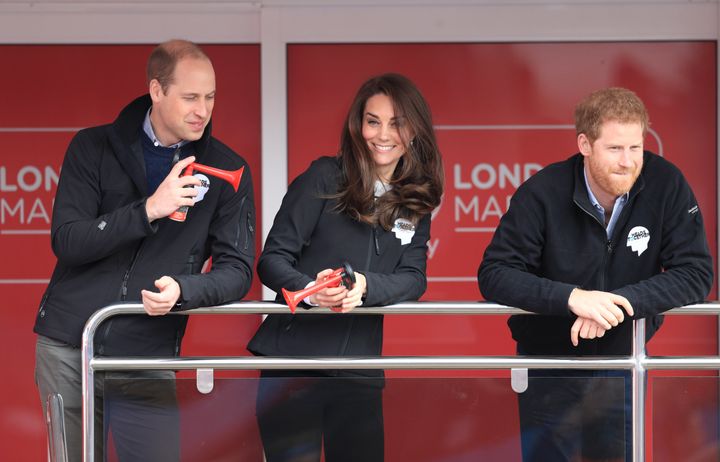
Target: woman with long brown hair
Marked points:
368	206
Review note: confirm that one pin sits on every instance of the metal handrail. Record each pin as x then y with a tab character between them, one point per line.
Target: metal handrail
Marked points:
638	363
55	421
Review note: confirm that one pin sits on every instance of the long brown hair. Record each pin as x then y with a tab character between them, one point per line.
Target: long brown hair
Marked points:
416	183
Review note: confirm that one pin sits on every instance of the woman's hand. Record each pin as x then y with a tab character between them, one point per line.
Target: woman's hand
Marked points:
339	298
329	296
354	296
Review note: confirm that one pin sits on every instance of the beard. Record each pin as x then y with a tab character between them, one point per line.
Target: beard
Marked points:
608	178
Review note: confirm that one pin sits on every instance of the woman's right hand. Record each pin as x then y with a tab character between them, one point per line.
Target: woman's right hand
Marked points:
329	296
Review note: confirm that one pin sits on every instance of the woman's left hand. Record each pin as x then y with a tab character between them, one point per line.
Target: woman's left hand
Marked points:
354	295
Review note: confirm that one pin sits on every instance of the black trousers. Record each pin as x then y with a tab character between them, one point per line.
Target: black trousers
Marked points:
576	415
300	413
142	413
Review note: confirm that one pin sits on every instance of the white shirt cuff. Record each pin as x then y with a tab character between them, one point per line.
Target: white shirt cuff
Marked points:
307	299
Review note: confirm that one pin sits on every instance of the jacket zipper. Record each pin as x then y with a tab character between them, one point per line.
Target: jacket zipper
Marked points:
608	244
48	292
126	278
377	243
347	336
45	296
123	297
591	214
606	256
239	227
250	231
373	245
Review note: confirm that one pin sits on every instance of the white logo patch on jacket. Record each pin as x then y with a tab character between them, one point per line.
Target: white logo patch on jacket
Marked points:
638	239
203	188
403	230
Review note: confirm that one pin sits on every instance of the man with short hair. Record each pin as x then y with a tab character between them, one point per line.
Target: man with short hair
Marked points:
611	233
115	243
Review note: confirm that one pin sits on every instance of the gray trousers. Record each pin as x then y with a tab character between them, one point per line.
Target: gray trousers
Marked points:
58	370
140	408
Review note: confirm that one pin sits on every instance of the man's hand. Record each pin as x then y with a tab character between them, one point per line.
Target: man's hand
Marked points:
585	328
160	303
601	307
172	192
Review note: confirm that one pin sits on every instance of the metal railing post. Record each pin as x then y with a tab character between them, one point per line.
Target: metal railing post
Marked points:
88	371
638	391
55	420
88	391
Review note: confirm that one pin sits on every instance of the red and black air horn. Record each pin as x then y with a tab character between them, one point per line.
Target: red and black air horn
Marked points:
232	177
344	276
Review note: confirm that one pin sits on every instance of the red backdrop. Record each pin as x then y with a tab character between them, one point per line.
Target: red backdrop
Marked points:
501	112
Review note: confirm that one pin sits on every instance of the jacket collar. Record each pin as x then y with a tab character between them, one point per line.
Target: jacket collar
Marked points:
125	139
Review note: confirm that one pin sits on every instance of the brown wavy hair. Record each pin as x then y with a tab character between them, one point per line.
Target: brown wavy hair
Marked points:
416	183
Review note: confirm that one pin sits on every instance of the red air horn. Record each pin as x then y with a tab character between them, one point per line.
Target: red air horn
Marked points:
231	177
344	276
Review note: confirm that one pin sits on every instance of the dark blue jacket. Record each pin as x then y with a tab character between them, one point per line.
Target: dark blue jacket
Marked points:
308	236
551	241
107	251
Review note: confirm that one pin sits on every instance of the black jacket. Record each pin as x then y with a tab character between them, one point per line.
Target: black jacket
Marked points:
107	251
550	242
307	236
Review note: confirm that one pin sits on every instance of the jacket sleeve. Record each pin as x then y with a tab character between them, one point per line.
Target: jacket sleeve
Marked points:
80	233
508	272
292	229
231	240
687	275
408	281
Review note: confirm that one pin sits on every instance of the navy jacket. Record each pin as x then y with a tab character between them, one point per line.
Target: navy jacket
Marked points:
107	251
550	241
309	235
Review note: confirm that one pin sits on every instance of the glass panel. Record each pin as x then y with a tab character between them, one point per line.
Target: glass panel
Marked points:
417	419
685	418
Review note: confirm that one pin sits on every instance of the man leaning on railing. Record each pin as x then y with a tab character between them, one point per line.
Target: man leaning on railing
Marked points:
611	233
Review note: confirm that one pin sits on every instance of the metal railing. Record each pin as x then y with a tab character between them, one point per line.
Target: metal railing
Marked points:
638	363
55	421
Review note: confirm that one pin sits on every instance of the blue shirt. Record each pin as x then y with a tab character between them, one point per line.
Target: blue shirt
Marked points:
147	128
600	211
